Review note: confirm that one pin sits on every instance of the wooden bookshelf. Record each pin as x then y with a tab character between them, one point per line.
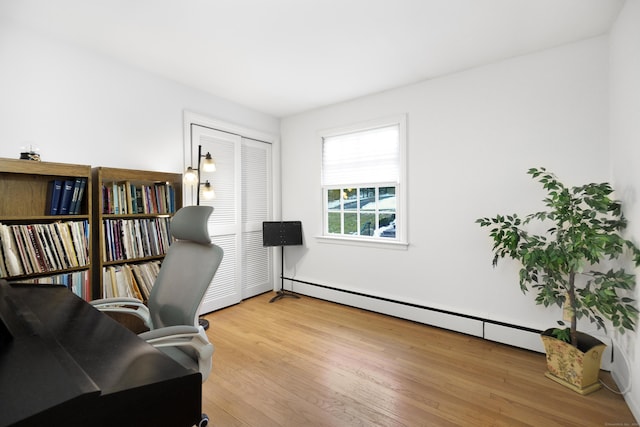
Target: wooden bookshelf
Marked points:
131	212
26	193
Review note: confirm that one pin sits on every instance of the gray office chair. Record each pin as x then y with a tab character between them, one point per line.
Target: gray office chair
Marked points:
175	299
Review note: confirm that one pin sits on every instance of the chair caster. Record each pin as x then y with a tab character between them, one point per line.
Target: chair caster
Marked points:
204	421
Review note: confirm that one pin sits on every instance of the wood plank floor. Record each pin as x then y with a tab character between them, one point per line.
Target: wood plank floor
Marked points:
307	362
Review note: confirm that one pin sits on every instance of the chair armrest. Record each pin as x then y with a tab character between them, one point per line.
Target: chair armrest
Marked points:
116	301
193	337
169	332
125	305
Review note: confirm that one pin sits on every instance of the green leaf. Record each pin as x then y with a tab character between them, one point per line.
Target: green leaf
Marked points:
562	334
583	228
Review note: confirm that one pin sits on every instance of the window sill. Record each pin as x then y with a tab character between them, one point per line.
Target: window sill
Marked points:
354	241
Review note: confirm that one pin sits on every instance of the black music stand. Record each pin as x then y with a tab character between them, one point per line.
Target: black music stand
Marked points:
282	233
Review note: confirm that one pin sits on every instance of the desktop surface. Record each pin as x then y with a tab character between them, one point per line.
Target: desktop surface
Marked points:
62	361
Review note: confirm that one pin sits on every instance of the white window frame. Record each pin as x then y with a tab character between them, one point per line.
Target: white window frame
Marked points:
401	239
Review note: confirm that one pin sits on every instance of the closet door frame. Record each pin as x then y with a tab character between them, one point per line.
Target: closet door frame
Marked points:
191	118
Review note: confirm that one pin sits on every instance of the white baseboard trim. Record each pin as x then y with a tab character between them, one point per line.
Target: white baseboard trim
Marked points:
513	335
391	308
516	337
495	331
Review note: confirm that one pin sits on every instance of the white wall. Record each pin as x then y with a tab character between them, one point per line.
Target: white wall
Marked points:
625	159
80	107
471	138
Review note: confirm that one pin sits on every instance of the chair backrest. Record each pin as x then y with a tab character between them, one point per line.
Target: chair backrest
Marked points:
186	271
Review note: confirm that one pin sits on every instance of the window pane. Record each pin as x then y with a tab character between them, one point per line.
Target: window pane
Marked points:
387	225
350	200
387	199
368	199
367	224
350	223
386	219
335	225
333	199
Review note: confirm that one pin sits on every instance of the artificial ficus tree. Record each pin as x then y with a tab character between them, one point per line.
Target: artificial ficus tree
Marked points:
583	228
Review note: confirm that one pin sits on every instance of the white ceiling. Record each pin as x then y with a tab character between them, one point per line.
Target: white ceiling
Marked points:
283	57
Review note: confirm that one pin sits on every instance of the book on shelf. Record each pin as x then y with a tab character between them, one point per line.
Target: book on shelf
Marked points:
23	254
3	268
129	280
56	238
106	199
126	239
65	196
50	247
53	197
43	248
78	193
78	282
123	286
74	195
36	249
139	200
128	197
146	274
125	198
67	244
11	255
152	202
134	199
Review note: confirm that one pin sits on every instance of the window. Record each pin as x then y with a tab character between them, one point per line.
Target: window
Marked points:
362	179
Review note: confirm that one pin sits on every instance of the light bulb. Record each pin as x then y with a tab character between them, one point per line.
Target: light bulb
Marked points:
207	191
190	175
209	165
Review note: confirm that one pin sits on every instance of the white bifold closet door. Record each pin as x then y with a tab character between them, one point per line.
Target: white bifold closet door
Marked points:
257	275
242	185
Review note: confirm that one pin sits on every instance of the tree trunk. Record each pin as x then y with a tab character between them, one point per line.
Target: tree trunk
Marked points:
572	304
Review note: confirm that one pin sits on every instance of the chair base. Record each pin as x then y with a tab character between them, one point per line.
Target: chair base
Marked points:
282	294
204	421
204	323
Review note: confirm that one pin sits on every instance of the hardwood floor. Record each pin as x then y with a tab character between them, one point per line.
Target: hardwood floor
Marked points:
307	362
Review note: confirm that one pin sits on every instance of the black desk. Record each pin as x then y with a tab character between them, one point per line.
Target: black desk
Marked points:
67	364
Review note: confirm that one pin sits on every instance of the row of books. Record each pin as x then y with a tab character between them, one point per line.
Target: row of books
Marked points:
77	281
129	280
41	248
126	239
65	196
127	198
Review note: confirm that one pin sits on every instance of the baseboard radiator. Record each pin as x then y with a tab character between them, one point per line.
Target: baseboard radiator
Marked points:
492	330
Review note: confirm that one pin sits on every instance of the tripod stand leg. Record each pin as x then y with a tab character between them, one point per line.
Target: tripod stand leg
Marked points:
282	293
